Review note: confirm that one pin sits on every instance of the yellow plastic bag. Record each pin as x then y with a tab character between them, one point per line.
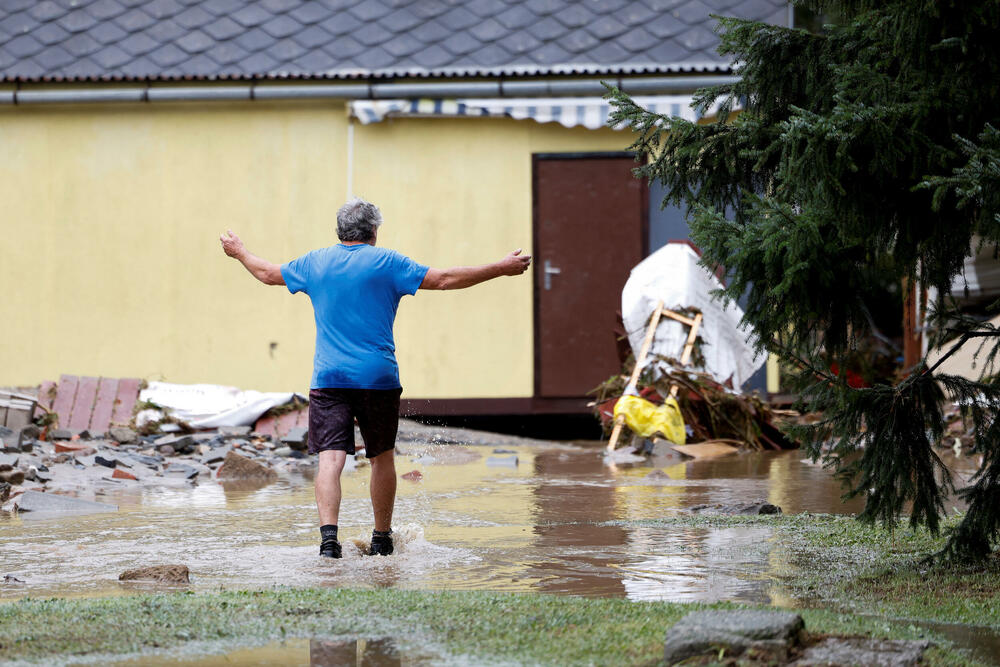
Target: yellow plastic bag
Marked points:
645	418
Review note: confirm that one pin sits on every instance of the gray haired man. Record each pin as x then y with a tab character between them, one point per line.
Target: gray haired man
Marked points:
355	289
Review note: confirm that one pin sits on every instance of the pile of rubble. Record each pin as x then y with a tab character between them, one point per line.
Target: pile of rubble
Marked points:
66	461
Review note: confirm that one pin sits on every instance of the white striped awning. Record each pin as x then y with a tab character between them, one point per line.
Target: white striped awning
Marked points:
589	112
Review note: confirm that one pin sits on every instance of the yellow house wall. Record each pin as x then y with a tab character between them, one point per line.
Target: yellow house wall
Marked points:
110	263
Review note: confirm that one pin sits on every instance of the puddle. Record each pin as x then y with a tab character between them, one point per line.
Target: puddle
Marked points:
545	524
377	652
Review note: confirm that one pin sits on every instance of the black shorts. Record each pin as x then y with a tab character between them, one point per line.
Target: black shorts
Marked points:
332	413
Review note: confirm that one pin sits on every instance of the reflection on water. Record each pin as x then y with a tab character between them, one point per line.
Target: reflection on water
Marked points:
378	652
546	525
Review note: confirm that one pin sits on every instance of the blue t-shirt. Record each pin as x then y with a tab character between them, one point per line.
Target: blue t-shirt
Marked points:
355	290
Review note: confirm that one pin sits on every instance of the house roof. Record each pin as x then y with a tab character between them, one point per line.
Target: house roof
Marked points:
108	40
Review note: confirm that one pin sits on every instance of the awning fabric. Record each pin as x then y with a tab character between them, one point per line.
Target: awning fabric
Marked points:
589	112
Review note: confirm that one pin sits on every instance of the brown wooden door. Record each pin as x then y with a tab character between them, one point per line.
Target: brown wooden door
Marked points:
590	230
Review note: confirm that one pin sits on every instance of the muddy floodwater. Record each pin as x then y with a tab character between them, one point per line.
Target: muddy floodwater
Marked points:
475	520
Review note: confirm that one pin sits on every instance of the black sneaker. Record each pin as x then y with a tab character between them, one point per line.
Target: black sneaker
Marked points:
381	543
330	548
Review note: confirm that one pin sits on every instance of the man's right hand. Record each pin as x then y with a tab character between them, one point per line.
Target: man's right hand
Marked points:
515	263
231	244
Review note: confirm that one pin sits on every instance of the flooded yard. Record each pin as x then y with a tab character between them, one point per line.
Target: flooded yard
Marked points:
554	522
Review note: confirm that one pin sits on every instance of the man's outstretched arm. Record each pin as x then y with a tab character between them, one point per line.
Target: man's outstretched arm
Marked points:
262	270
466	276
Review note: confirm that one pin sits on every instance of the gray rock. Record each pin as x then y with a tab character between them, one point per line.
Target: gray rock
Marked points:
216	454
229	432
283	451
168	427
166	450
502	461
87	434
8	461
36	501
62	434
180	443
181	470
297	438
735	631
151	461
759	507
863	651
123	435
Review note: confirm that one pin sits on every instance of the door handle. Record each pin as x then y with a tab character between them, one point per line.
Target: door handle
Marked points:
548	271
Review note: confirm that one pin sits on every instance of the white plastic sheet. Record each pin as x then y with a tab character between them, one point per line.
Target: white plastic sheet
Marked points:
673	274
210	405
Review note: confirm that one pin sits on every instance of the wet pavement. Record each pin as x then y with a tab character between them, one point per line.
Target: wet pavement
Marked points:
474	520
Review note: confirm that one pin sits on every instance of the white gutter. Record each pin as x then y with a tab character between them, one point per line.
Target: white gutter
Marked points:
354	91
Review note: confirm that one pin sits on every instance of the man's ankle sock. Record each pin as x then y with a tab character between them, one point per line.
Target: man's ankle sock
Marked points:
329	531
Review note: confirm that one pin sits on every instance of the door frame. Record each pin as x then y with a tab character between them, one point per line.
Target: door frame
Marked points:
643	224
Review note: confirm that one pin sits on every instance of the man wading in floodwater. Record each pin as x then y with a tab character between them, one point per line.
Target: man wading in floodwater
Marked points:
355	289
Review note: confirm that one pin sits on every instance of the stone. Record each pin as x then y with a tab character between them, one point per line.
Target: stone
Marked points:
283	451
297	438
61	434
166	450
229	432
240	467
123	435
863	651
151	461
759	507
37	501
173	574
181	470
4	491
502	461
14	477
121	474
106	462
413	476
180	443
168	427
216	454
734	632
87	434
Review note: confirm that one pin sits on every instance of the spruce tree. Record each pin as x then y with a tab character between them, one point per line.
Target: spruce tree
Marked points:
863	155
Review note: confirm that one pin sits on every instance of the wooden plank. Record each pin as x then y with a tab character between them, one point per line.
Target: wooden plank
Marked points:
46	396
83	404
65	394
107	391
654	321
128	394
265	425
706	450
688	349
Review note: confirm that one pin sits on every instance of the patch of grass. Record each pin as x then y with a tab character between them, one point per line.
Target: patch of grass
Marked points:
489	627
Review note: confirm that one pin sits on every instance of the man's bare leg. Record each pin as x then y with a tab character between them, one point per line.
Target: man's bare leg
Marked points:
383	489
327	483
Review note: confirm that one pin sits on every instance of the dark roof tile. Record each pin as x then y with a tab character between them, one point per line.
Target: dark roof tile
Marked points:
369	10
195	42
255	41
400	20
111	57
372	34
551	53
17	5
316	61
200	65
29	69
227	53
428	9
281	26
489	31
607	27
162	9
258	62
666	52
430	32
404	44
692	12
665	26
575	16
344	47
377	58
141	67
491	56
7	60
46	11
578	41
81	44
50	33
18	24
458	18
107	33
313	36
519	42
340	24
107	9
223	28
697	38
77	21
221	7
635	14
484	8
286	50
165	31
660	6
754	9
547	29
54	58
308	13
138	44
640	39
280	6
460	43
168	55
251	15
134	20
24	46
431	57
608	52
80	67
543	7
516	17
194	17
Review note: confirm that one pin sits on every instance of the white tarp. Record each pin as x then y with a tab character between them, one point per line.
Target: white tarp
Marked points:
211	405
673	274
